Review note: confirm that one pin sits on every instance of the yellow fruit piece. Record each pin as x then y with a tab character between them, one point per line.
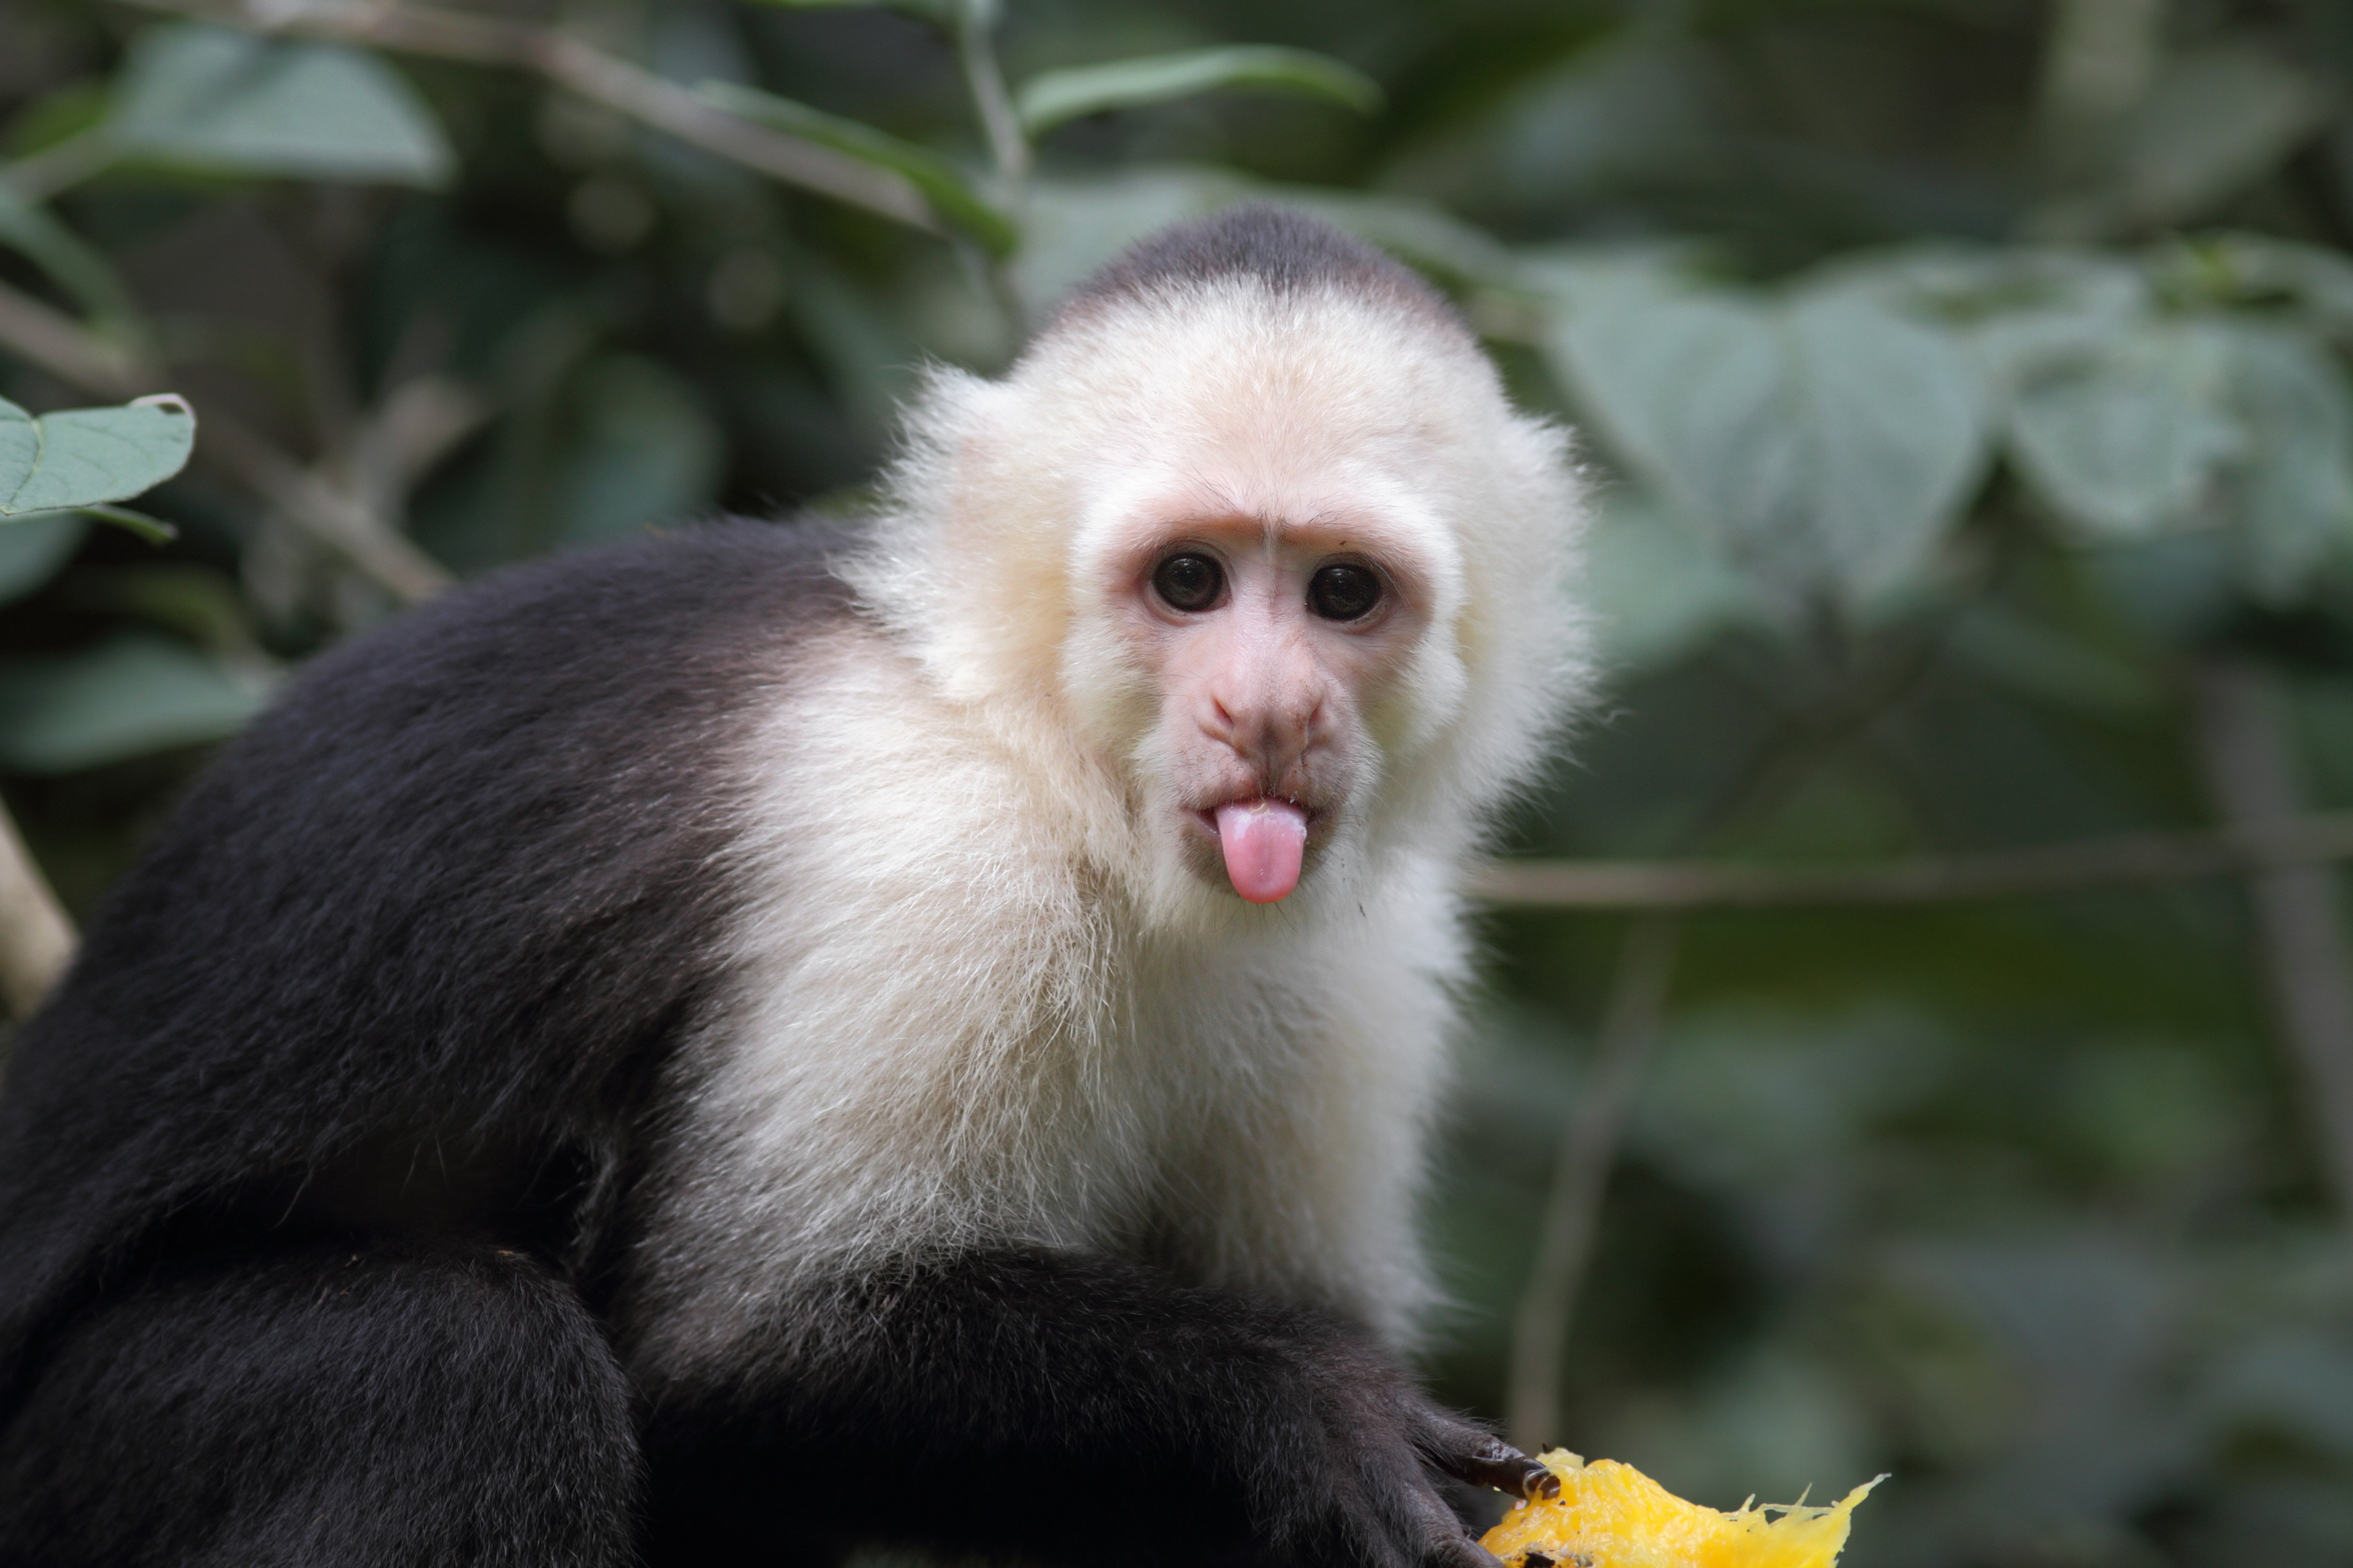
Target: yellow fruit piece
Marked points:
1610	1515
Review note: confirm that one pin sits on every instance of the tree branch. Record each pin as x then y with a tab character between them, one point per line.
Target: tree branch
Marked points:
2125	860
338	519
1580	1180
2299	923
37	940
68	350
976	54
591	73
38	176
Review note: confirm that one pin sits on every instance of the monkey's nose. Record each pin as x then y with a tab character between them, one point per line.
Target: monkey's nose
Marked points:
1266	706
1270	743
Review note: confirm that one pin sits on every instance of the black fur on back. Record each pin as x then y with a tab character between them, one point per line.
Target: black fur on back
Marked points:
455	893
1281	246
353	1402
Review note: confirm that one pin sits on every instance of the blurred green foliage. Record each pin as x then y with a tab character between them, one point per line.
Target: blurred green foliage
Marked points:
1964	378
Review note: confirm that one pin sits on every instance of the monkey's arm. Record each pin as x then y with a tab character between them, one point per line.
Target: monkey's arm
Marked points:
1071	1406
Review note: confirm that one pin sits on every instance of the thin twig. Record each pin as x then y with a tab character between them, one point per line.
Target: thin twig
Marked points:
2100	58
338	519
2125	860
68	350
37	939
2300	922
607	79
1580	1179
59	166
1589	1142
976	54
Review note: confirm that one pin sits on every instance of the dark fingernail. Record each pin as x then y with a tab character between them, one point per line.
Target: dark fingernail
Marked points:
1539	1484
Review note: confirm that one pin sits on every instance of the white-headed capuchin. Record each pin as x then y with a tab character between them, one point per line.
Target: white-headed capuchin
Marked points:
730	1047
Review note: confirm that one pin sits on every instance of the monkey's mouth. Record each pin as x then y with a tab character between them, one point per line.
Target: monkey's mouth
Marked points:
1264	840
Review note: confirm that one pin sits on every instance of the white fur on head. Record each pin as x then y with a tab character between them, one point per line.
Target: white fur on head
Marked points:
1234	395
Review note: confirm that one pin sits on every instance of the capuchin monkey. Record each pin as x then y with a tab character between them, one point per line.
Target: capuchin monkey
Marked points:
770	1038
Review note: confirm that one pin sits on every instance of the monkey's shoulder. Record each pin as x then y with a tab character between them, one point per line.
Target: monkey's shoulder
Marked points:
574	685
665	625
498	813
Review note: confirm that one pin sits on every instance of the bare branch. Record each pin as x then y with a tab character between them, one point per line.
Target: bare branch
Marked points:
2126	860
976	54
2300	922
594	75
2100	58
339	520
37	940
419	422
1580	1180
68	350
60	166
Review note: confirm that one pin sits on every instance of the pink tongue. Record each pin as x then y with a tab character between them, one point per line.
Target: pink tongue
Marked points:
1264	841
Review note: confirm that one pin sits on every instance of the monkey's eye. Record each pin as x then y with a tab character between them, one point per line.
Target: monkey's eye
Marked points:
1188	582
1343	592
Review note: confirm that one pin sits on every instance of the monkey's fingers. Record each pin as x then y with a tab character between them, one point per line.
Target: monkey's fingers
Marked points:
1444	1542
1469	1452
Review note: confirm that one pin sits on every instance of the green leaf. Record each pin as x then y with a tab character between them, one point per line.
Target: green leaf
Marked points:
2005	300
84	457
207	98
2121	428
1051	98
941	182
130	695
33	548
2292	490
1897	433
2258	268
1658	584
64	256
1828	441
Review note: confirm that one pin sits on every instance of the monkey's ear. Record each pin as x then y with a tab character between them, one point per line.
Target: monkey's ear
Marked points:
947	433
967	557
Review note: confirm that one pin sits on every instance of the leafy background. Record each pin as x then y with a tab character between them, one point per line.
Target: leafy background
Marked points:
1967	380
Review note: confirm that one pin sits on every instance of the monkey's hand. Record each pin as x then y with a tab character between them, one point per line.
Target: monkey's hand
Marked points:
1354	1480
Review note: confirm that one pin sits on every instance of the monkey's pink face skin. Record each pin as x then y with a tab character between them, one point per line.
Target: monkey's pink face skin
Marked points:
1265	643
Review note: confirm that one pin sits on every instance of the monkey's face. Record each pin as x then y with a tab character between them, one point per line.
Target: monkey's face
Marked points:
1270	583
1268	652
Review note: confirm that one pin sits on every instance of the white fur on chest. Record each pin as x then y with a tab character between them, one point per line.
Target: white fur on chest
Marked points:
946	1031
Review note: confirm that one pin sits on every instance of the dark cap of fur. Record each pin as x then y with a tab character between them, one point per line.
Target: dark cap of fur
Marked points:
1287	250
